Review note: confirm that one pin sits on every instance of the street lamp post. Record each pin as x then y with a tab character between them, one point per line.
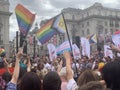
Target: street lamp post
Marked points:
34	43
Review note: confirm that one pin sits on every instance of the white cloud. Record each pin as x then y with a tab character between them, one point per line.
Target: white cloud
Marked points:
45	9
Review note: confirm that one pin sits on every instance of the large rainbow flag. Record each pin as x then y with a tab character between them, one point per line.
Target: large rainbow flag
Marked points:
50	28
24	18
59	24
46	32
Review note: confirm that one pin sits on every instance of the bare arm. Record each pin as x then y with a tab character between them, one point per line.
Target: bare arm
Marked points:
6	64
17	67
60	66
29	64
68	65
114	48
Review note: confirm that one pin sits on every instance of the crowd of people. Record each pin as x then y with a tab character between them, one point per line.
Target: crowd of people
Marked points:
63	73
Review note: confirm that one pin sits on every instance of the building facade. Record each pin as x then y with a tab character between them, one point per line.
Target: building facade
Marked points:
32	46
95	19
4	25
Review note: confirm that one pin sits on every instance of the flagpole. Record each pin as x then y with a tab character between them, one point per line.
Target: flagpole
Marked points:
67	32
69	42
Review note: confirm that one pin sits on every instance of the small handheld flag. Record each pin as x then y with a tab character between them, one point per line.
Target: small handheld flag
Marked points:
2	52
93	38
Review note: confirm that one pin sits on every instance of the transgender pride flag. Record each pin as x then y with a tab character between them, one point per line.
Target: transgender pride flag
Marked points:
65	46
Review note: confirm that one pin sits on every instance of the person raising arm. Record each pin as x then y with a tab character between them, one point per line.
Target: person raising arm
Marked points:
72	85
12	85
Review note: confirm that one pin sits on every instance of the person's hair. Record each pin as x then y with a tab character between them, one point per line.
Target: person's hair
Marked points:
87	76
30	81
111	75
22	72
7	76
40	66
52	81
93	85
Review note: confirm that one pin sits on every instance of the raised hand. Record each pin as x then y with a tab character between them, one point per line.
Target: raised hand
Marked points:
19	54
68	59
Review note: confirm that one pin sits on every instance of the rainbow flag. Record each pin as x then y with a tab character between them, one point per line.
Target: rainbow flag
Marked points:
59	24
2	52
46	32
24	18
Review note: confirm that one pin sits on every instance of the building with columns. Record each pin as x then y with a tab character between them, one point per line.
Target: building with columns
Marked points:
4	25
95	19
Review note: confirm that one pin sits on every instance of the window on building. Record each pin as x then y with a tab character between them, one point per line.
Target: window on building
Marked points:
73	26
87	23
73	17
87	13
83	25
106	31
116	24
83	32
111	31
111	23
82	16
1	41
106	24
0	30
100	31
88	31
99	12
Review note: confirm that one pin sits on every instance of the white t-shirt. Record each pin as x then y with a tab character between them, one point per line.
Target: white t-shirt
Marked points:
48	66
72	85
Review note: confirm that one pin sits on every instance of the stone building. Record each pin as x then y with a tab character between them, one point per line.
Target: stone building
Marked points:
32	48
95	19
4	25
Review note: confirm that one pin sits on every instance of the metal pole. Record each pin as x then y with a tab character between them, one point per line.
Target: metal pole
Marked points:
69	42
16	41
67	33
34	47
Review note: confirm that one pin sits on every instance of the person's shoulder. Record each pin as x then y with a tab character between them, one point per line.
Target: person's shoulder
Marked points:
11	86
72	85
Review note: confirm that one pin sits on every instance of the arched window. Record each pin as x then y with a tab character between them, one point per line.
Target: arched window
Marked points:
111	30
73	17
82	32
88	31
106	31
87	23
